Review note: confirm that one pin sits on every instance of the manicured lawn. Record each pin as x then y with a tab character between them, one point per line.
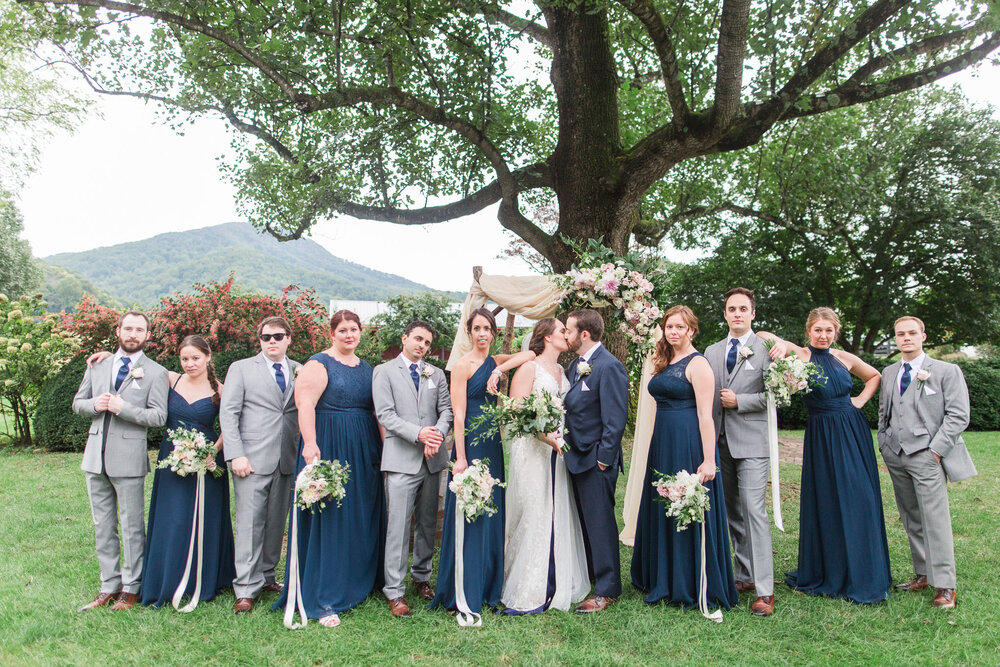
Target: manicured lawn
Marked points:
48	568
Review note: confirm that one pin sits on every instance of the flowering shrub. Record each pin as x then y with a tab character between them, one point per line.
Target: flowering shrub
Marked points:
32	347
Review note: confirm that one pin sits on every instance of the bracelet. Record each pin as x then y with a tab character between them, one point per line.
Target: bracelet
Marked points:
497	371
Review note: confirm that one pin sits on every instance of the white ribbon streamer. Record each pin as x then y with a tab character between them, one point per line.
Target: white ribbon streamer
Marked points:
294	591
197	535
772	449
703	586
465	616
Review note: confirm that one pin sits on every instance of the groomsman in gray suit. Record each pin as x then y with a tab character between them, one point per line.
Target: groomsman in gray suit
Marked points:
260	432
123	395
412	403
740	412
923	409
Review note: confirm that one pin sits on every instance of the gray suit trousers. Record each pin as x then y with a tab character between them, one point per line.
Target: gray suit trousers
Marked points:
745	483
261	514
922	497
410	497
109	498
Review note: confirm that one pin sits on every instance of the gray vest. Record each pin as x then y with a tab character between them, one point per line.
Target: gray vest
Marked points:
908	432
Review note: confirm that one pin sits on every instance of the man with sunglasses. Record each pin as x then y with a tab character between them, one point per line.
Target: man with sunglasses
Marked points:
260	434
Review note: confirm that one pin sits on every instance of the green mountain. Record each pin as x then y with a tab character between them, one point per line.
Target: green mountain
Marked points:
142	272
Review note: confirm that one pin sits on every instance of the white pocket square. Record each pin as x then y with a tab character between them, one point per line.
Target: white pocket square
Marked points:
928	391
584	386
748	365
135	385
430	383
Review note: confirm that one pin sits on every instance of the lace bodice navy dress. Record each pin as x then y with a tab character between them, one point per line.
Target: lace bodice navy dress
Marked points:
843	551
171	509
666	563
341	549
482	553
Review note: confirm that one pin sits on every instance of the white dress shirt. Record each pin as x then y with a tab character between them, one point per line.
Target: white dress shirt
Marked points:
274	371
117	364
915	366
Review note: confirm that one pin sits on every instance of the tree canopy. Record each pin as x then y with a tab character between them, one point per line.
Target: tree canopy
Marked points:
417	113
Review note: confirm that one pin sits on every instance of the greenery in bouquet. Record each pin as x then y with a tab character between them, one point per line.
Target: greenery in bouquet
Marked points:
685	497
193	453
473	489
321	482
790	375
535	414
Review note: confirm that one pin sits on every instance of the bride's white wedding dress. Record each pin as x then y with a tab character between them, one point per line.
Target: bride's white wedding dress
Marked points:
542	514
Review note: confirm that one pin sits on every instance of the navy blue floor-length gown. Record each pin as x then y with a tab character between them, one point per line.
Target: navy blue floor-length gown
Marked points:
843	552
341	549
171	509
483	548
666	563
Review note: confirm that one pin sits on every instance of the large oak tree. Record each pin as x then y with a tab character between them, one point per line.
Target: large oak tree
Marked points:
419	112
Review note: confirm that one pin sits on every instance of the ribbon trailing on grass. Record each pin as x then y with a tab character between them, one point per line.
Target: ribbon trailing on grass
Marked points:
294	598
465	616
772	449
197	536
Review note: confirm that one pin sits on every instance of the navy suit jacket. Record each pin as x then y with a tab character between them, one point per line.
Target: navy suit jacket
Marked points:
595	419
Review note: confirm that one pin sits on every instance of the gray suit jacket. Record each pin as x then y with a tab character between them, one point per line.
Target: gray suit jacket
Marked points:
746	426
123	452
943	410
403	411
257	420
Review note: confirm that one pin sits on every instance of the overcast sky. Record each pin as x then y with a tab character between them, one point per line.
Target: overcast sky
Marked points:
123	177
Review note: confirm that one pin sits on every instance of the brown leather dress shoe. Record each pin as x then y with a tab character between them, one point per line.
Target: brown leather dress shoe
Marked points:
243	605
763	606
945	598
744	586
596	603
125	601
100	601
274	587
424	589
918	583
398	607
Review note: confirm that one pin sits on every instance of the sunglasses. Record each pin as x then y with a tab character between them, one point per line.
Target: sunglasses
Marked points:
278	337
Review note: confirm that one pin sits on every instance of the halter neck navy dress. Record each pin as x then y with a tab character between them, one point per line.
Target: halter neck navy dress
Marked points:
666	563
843	552
342	549
483	548
171	508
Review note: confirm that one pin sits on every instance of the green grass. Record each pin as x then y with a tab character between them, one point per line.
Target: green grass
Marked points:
48	568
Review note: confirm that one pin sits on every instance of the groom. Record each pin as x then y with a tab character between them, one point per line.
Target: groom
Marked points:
740	411
123	395
413	405
596	414
923	409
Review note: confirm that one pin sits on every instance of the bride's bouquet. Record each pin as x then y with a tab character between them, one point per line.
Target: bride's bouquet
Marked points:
192	454
536	414
319	482
473	489
788	376
685	497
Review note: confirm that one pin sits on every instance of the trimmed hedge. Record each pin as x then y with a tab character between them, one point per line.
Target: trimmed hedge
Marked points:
59	429
982	376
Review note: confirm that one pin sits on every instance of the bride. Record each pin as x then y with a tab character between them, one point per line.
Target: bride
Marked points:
545	561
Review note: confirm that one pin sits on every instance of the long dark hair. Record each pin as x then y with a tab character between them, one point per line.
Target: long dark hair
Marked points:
199	343
542	329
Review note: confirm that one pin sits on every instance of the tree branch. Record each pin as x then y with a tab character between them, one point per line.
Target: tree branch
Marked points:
931	44
732	207
729	61
493	13
646	12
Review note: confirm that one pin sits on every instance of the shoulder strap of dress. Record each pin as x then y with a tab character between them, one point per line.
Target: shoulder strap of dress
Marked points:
179	376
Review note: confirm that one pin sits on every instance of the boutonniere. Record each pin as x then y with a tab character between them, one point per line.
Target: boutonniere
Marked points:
922	376
136	373
426	371
583	369
295	371
745	352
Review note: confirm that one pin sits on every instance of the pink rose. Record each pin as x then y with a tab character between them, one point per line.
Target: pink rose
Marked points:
662	490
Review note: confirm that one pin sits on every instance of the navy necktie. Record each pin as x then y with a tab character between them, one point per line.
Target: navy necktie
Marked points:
416	376
904	381
731	357
122	373
279	376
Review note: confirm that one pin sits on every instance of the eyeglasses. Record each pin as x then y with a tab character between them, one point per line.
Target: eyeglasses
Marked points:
278	337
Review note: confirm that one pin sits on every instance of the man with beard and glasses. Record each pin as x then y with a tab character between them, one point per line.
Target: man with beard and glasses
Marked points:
124	395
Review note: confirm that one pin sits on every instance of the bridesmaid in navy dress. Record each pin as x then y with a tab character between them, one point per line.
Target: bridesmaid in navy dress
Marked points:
843	552
666	563
473	384
193	403
340	548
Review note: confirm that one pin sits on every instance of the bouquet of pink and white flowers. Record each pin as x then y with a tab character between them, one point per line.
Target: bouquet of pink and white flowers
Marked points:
534	415
319	482
473	489
192	453
685	497
788	376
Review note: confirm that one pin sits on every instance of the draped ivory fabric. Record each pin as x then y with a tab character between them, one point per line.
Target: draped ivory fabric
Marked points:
535	297
645	417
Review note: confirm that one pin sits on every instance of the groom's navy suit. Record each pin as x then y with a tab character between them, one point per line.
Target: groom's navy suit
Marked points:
596	414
